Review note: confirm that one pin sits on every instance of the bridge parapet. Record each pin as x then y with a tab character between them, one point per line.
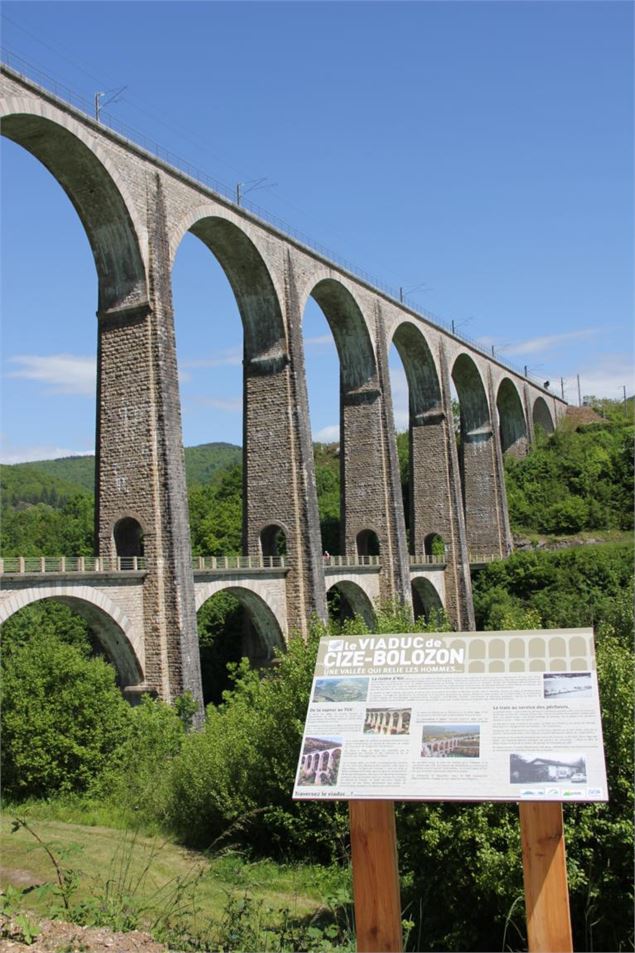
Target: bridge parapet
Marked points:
351	562
21	565
424	561
233	563
481	559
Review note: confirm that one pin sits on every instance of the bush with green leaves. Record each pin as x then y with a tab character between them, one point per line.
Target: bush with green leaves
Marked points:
63	717
575	481
233	780
136	780
582	586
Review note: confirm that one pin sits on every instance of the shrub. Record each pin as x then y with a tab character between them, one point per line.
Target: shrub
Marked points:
137	778
233	780
573	481
583	586
63	717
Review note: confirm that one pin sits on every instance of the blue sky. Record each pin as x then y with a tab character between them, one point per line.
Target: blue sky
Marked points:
478	155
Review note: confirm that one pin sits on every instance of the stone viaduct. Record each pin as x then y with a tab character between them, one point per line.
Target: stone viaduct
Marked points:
135	209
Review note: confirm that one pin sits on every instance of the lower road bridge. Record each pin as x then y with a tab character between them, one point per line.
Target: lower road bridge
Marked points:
110	593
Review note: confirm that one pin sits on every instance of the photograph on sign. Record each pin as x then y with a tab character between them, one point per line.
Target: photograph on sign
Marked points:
467	716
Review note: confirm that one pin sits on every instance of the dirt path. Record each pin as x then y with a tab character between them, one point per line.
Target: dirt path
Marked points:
55	936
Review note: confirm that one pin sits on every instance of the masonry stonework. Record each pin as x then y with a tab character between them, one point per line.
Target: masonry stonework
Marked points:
135	209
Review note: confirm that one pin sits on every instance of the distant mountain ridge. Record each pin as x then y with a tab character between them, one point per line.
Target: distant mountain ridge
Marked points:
55	481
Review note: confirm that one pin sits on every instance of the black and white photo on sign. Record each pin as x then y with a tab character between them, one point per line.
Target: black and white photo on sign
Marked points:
552	766
567	685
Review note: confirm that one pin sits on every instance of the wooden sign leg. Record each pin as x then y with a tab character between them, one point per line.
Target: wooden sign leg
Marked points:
375	876
545	873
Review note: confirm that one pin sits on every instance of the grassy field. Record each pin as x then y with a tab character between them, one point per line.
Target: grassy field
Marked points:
131	881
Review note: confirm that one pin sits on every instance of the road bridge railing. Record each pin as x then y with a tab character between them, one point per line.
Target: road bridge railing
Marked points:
234	563
350	562
481	559
22	565
426	561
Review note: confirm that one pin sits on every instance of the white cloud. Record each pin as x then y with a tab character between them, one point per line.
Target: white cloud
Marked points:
330	434
65	373
231	357
542	344
606	378
14	454
485	341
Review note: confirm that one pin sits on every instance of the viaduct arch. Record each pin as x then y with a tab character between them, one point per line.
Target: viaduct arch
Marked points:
542	415
262	610
511	416
92	184
116	633
135	209
356	598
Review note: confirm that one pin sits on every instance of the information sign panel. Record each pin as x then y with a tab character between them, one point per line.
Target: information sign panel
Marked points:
467	716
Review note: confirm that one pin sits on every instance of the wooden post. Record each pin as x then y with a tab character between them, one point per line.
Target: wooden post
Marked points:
545	874
375	876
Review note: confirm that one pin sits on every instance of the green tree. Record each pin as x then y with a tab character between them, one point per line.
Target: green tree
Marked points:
41	530
52	619
136	778
221	623
63	717
216	515
238	772
574	480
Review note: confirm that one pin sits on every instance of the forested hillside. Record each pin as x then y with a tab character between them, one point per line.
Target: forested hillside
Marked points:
576	480
572	481
48	506
48	481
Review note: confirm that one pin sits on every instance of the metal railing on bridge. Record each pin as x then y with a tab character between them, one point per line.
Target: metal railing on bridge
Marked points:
71	564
